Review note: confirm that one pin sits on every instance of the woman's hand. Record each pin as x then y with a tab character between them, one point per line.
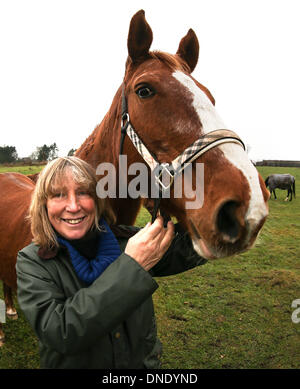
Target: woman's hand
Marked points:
150	243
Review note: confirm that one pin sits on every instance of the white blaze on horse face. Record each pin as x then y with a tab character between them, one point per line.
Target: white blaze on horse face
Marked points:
257	209
234	153
206	111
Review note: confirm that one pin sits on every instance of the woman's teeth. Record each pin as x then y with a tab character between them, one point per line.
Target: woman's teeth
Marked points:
73	221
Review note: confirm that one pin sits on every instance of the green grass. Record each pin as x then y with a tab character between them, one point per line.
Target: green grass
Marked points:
230	313
21	169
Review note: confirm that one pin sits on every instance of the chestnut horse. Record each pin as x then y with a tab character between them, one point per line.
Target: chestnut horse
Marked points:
167	110
15	189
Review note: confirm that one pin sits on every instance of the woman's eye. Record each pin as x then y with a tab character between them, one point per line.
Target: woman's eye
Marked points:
144	92
58	195
83	193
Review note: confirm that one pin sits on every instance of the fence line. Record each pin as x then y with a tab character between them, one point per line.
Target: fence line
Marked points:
281	163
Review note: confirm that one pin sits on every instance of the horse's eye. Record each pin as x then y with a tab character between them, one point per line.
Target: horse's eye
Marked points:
144	92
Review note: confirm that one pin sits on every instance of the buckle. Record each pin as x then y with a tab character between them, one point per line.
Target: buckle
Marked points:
164	167
125	120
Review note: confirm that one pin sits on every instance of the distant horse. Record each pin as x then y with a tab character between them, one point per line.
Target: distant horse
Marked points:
281	181
165	116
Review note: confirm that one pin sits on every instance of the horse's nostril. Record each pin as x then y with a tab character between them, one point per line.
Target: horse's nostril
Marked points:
227	222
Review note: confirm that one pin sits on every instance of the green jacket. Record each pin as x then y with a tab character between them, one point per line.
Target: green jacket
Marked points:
109	324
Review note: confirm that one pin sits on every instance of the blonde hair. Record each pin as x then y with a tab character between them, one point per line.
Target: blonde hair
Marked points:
52	176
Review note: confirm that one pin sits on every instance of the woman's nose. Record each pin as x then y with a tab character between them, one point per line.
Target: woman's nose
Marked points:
73	204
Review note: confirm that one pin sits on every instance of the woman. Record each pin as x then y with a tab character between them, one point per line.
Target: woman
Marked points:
85	289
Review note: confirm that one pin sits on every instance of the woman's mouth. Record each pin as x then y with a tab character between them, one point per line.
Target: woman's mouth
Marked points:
73	221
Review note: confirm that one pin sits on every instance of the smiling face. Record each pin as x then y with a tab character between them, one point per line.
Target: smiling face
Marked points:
71	209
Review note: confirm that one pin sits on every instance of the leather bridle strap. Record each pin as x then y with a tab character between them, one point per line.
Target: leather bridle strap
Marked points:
191	153
124	120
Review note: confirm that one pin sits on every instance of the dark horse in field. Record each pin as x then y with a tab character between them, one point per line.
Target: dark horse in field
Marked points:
170	111
281	181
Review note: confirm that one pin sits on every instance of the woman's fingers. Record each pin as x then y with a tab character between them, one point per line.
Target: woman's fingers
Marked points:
157	233
167	238
151	231
155	228
149	244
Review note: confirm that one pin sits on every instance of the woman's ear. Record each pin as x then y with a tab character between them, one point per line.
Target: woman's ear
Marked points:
188	49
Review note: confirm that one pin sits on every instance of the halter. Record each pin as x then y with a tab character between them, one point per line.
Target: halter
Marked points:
195	150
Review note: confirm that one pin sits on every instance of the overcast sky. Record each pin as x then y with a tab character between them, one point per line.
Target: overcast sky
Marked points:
63	60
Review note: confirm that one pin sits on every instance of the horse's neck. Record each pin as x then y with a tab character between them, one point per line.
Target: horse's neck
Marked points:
103	146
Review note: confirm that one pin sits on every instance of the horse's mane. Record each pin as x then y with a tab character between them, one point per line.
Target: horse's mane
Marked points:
173	62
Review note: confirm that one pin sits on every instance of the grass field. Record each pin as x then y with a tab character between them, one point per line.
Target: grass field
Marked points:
231	313
21	169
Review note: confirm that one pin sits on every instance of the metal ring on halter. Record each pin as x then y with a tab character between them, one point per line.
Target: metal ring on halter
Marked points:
125	120
164	167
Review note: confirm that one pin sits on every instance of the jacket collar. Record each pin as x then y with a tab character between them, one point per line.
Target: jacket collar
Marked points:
46	253
119	232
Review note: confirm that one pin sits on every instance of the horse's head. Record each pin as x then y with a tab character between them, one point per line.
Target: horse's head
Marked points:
170	110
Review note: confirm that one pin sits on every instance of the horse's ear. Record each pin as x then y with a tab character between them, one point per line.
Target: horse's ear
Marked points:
188	49
139	37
